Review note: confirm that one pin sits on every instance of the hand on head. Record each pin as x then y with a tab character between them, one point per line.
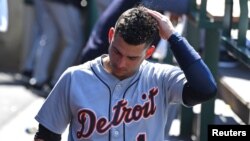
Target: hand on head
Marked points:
166	28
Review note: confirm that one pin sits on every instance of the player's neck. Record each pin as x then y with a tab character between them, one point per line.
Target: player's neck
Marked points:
106	64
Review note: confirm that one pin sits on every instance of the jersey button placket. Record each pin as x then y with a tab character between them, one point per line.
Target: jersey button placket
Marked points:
117	92
116	133
116	96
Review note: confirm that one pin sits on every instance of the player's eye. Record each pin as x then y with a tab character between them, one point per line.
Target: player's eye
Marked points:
132	58
116	51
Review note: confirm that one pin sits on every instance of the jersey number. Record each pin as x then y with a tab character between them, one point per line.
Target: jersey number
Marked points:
141	137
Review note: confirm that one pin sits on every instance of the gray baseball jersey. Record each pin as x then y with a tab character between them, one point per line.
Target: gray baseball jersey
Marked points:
100	107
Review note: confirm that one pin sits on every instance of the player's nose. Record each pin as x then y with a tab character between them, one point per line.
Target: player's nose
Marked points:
122	62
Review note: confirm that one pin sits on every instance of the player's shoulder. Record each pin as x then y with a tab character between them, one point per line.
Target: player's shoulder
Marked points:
149	65
159	70
85	67
80	67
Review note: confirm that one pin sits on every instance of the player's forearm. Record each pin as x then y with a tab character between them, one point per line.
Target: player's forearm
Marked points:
201	85
199	77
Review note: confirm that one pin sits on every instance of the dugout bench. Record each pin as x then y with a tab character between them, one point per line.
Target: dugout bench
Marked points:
234	83
213	22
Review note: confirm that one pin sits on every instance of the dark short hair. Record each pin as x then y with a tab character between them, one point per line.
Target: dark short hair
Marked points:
136	26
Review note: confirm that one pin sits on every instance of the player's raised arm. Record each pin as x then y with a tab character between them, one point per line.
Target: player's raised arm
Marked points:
200	85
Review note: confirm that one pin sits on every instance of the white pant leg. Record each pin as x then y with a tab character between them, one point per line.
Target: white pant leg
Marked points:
69	20
31	38
47	43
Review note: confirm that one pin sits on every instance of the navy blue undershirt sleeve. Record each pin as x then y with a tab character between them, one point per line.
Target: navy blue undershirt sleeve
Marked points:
200	85
46	135
183	51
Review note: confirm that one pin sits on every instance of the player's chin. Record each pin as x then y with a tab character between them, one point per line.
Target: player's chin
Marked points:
120	71
121	74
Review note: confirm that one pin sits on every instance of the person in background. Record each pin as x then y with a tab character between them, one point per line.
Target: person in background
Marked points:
97	43
63	20
39	36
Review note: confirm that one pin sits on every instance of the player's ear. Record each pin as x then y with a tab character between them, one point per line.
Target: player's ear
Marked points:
150	51
111	34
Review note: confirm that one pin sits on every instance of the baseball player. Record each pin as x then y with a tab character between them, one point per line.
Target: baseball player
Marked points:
121	96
